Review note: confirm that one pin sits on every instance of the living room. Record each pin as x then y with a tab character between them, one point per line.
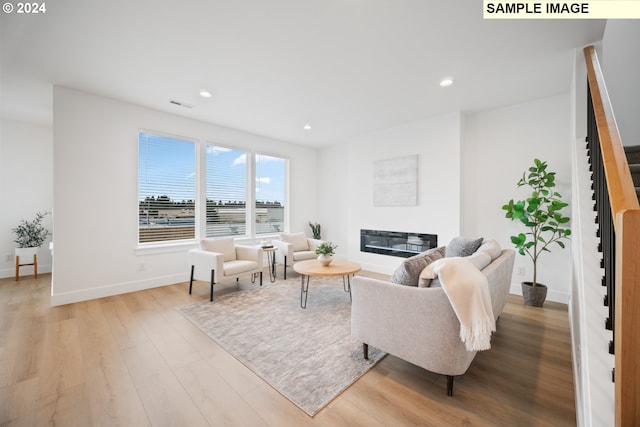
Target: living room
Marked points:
468	163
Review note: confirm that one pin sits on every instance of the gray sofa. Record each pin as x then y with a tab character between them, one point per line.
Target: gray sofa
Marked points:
418	324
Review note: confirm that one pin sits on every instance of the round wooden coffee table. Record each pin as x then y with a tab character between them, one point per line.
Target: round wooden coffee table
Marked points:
312	267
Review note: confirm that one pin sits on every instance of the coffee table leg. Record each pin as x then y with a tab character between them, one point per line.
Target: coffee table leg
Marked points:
304	291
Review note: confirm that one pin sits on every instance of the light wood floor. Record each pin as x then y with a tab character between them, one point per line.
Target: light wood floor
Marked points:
132	360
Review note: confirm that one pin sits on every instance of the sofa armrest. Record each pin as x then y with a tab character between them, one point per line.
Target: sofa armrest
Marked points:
205	261
250	253
415	324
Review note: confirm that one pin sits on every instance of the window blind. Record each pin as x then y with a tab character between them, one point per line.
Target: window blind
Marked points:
166	188
226	191
270	175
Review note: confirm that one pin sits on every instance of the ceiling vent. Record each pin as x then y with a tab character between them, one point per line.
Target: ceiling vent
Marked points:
181	104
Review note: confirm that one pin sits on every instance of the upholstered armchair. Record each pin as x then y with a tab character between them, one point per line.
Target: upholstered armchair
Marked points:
221	259
295	247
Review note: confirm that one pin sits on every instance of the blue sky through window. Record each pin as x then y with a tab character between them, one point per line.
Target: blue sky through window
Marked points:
167	167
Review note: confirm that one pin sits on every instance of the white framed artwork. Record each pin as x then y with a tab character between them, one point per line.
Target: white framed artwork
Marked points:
395	181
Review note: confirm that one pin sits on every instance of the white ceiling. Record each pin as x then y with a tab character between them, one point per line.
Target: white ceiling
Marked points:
346	67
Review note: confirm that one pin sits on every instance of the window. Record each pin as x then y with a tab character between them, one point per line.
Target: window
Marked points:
226	191
270	175
188	190
166	188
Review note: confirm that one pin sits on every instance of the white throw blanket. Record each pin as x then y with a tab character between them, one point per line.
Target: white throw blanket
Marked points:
468	292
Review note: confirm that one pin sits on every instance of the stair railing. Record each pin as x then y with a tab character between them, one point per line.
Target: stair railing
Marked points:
625	216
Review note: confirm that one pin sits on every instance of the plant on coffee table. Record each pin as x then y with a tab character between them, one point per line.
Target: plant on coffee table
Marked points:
325	252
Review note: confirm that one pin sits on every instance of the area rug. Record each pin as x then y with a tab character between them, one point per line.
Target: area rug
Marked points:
307	355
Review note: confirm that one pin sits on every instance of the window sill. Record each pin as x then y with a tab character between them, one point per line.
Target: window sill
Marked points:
162	248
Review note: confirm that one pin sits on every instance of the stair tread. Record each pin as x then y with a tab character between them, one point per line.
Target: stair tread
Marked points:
633	154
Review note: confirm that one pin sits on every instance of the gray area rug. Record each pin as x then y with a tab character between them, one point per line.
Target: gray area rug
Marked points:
307	355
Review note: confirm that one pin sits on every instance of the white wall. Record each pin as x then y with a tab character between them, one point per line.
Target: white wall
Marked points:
620	62
468	168
26	187
498	146
347	196
95	193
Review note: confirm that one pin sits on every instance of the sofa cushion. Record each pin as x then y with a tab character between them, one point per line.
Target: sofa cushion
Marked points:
298	240
492	247
224	246
462	246
408	272
232	268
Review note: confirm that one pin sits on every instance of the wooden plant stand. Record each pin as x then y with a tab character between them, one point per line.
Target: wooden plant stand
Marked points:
34	263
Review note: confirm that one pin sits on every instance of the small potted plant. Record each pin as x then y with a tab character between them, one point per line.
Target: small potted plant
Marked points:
325	252
542	215
30	235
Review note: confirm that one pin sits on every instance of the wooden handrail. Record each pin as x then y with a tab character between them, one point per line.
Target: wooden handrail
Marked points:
625	212
622	192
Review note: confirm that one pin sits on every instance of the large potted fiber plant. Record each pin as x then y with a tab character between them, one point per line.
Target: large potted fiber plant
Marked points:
541	214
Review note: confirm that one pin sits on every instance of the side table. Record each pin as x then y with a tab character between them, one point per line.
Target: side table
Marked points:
271	261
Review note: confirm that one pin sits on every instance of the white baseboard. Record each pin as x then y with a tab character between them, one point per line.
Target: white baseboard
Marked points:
114	289
24	271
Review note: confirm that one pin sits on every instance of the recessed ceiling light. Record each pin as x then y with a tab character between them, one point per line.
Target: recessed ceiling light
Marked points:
205	94
448	81
307	127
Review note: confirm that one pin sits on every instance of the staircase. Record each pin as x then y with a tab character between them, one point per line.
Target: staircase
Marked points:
633	158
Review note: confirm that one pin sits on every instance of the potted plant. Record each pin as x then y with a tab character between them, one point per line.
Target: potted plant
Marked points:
542	215
326	251
30	235
315	229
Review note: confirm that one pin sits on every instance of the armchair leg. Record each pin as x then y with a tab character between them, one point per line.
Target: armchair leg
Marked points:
213	272
261	278
191	279
365	350
450	385
285	267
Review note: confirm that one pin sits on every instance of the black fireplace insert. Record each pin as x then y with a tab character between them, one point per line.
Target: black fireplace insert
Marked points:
396	243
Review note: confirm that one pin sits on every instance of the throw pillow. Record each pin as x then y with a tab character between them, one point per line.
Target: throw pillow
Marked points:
408	272
298	240
462	246
428	278
224	246
492	247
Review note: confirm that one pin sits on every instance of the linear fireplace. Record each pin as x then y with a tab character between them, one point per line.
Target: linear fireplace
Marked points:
396	243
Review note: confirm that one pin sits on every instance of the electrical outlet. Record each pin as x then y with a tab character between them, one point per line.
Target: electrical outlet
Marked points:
8	258
521	271
141	267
